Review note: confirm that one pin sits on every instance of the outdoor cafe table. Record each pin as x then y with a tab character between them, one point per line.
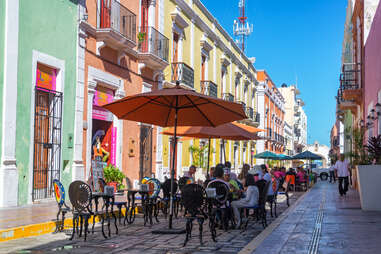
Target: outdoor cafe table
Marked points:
108	201
145	201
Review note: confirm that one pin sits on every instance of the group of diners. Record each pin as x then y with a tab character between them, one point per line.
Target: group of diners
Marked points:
245	188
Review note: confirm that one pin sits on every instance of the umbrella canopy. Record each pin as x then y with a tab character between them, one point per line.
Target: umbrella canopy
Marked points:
307	155
284	157
228	131
267	155
160	107
176	107
248	128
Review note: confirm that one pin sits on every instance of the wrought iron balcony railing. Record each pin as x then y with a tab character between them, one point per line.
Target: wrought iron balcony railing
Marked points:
228	97
209	88
152	41
183	73
117	17
350	76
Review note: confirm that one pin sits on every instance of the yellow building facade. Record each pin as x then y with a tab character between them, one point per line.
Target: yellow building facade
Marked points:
203	57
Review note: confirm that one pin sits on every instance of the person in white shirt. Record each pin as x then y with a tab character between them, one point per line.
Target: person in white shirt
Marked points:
342	172
250	199
332	177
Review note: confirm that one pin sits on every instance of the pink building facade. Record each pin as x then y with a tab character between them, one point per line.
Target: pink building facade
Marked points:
372	84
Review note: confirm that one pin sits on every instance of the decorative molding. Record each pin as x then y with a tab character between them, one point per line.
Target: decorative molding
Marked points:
204	44
224	60
177	19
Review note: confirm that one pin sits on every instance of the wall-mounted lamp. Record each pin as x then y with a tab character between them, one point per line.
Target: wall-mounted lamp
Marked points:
378	109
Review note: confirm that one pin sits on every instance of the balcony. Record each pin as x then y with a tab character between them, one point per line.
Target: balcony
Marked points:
350	82
228	97
344	104
208	88
183	73
153	48
116	26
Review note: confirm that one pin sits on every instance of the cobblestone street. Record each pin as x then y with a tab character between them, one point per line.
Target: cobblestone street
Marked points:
136	238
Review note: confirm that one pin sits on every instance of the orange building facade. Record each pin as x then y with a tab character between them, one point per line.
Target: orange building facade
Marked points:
120	52
271	106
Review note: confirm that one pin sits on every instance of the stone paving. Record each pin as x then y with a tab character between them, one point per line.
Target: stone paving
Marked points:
136	238
324	222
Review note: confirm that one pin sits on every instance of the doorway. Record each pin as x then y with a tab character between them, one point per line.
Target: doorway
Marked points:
145	151
47	142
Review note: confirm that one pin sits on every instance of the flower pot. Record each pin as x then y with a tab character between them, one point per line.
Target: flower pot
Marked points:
113	184
368	178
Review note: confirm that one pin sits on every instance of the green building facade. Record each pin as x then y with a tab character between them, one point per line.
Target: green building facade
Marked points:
37	97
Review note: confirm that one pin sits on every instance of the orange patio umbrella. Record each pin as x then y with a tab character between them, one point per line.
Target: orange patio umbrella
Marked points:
230	131
176	107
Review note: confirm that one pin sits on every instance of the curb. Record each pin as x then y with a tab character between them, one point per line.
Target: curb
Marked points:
41	228
254	244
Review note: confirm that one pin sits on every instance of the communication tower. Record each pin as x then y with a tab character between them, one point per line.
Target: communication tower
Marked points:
242	28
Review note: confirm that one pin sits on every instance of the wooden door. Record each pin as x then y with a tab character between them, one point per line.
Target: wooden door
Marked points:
41	141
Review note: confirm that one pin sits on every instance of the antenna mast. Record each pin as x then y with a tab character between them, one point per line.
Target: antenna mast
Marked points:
241	28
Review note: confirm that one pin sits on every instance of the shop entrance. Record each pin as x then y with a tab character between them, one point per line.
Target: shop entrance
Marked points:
47	134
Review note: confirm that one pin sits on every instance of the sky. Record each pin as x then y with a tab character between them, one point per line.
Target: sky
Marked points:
295	40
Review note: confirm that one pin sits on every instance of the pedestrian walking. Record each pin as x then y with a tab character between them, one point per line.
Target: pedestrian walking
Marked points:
342	172
332	177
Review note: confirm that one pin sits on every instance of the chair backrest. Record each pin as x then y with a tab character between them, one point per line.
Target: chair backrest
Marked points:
263	187
222	192
79	195
192	196
59	192
166	186
102	183
154	187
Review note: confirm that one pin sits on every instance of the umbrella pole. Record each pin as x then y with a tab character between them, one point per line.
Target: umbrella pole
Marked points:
223	146
173	168
207	167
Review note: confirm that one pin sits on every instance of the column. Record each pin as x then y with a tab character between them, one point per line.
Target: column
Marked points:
78	169
90	97
8	168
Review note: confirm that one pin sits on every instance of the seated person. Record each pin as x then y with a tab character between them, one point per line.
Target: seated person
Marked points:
283	172
191	173
277	173
250	200
301	175
234	187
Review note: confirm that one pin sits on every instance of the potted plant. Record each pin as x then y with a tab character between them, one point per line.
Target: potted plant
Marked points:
113	177
141	36
369	175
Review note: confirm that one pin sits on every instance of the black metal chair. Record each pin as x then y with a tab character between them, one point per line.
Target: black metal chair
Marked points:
194	203
260	208
283	190
220	208
80	198
63	208
272	199
165	200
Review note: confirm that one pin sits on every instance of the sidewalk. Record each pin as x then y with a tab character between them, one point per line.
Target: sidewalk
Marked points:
322	222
